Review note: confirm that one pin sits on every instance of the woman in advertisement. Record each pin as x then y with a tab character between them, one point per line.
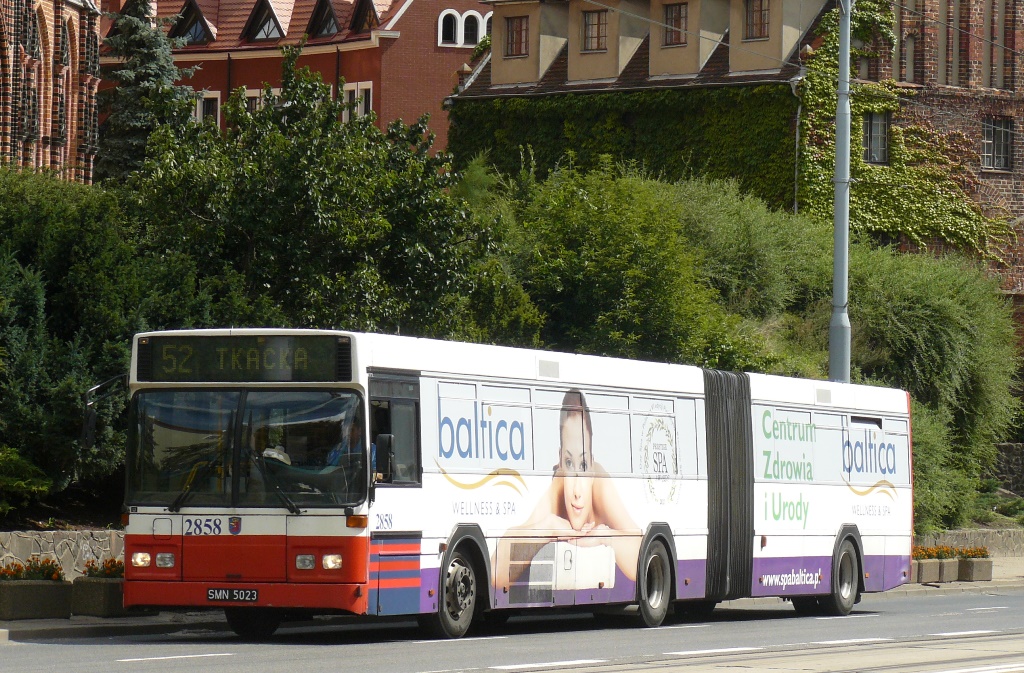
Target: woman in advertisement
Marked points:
580	506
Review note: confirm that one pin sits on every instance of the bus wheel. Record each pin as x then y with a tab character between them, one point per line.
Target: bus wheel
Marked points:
655	584
457	602
253	623
845	576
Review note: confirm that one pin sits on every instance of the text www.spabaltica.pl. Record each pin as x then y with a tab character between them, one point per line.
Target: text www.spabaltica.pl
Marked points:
793	578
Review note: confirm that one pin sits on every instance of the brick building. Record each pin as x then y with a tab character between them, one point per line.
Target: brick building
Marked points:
399	58
49	73
957	64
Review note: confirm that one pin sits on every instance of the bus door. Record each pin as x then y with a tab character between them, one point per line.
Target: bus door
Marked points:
396	519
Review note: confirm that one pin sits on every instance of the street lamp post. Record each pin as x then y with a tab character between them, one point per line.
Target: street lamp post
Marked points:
839	326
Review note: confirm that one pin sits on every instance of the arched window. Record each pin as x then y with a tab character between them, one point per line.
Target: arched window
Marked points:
489	23
449	29
471	30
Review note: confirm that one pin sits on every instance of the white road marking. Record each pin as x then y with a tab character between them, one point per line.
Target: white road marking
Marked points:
458	640
683	626
998	668
962	633
848	617
723	650
998	607
180	656
851	641
549	664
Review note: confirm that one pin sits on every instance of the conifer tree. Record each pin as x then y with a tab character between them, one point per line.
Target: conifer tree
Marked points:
145	94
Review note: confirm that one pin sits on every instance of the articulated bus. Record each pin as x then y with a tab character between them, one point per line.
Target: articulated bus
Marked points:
278	473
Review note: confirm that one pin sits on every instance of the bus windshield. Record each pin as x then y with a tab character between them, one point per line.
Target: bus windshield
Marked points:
246	448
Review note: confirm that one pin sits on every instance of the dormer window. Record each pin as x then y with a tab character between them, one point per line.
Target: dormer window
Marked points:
757	19
365	18
323	23
263	24
191	26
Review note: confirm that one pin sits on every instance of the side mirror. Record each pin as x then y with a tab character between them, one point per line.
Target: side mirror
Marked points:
384	456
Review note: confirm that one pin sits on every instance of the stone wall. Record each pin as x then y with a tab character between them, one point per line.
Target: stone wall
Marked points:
1000	541
72	549
1010	467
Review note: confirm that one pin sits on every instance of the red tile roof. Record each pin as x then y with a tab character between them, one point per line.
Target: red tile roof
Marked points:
228	20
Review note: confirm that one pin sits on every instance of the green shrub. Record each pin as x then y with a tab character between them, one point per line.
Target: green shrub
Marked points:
20	481
943	493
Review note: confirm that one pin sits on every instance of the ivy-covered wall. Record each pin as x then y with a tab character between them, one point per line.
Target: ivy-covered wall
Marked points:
741	133
926	191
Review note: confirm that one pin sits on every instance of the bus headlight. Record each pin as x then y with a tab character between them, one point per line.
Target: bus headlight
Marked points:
141	559
305	561
165	560
332	561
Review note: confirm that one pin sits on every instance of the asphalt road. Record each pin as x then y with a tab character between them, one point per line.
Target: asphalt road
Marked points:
963	633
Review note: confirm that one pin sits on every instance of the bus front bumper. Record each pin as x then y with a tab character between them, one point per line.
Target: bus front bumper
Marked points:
351	598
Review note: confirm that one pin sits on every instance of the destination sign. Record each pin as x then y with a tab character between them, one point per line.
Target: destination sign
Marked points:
237	359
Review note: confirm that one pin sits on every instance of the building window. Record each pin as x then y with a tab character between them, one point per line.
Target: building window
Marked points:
208	109
517	36
449	29
471	31
876	137
595	31
323	23
675	25
191	27
911	58
358	100
757	20
263	24
996	145
488	24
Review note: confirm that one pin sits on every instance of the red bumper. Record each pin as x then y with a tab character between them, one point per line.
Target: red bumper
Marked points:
348	597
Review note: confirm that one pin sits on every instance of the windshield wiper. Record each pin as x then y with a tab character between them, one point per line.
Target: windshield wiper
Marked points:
197	475
269	478
275	487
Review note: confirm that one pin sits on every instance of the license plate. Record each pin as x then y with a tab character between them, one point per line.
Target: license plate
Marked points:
233	595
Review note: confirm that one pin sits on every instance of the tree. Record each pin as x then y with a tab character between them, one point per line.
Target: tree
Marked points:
68	278
145	94
602	257
292	217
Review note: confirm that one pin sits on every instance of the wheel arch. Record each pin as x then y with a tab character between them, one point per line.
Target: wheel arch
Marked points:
470	539
663	532
851	532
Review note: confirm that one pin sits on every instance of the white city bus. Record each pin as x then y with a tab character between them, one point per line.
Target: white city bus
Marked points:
289	472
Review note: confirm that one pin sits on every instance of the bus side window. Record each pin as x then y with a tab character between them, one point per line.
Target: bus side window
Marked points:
399	417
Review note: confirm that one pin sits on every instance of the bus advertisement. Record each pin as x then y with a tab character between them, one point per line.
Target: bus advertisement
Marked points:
285	473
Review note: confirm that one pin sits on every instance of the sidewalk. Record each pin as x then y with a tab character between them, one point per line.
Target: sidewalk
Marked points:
1007	575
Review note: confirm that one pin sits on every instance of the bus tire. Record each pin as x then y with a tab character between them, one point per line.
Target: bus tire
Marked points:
457	602
655	584
253	623
845	582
